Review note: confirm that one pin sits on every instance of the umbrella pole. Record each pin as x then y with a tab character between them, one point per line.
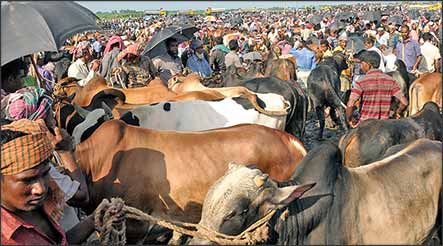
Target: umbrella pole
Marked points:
34	66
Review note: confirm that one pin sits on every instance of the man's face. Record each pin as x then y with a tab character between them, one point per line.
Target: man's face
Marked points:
368	45
199	50
173	48
323	47
25	191
342	43
404	33
365	66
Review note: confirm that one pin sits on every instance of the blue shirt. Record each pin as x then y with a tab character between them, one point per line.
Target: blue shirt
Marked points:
198	65
408	53
305	58
97	46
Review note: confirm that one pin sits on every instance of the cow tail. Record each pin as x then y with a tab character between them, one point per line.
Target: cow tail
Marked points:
253	99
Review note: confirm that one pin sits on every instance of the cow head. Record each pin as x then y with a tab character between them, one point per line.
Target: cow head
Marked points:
65	87
243	196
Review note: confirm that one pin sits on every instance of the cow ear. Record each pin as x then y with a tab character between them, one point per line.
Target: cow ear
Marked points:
283	196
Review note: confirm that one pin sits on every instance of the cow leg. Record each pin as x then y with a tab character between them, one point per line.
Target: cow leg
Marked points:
321	120
344	124
333	114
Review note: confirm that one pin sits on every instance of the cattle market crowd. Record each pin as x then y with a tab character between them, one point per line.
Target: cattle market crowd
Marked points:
267	126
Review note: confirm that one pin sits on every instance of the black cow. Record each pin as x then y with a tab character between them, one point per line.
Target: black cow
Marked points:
332	204
323	89
370	140
296	119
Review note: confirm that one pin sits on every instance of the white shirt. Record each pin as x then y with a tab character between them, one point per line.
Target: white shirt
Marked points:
390	63
383	39
431	53
382	58
80	70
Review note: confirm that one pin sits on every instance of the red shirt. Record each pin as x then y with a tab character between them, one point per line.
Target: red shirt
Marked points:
15	231
375	90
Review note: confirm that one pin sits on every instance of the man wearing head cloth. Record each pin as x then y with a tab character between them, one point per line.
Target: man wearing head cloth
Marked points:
80	68
30	204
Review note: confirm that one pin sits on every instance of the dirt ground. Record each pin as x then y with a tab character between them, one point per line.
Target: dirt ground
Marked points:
312	129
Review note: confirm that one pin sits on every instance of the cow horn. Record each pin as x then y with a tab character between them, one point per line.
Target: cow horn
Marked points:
81	111
232	165
260	180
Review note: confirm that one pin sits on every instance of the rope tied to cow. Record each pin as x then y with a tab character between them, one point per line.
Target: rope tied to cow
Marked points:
115	234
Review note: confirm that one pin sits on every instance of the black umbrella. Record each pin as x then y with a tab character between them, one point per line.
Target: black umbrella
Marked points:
337	25
396	19
372	16
344	15
315	19
414	14
30	27
355	43
157	46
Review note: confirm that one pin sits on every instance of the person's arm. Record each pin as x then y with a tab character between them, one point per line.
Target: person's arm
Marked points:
80	232
355	95
81	197
437	65
419	56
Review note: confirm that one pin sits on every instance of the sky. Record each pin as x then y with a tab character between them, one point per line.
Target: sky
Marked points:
107	6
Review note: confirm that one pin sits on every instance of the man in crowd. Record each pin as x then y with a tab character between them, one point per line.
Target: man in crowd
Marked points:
369	44
408	50
305	59
431	54
232	57
197	61
113	48
80	69
217	56
31	203
375	91
169	64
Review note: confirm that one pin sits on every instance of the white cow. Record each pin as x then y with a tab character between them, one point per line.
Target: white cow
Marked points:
198	115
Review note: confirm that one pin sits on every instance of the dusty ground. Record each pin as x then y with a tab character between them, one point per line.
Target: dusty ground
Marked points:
312	129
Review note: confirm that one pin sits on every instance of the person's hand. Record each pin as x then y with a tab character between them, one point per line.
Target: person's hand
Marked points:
353	123
397	116
95	65
62	140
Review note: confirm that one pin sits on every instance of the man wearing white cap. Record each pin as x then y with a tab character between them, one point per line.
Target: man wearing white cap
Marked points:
382	36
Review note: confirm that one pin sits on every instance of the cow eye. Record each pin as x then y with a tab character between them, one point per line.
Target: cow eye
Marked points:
230	215
245	211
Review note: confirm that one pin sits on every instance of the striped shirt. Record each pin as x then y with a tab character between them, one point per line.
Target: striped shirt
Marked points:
375	90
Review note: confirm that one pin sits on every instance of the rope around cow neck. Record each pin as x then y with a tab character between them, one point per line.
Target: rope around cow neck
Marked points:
116	234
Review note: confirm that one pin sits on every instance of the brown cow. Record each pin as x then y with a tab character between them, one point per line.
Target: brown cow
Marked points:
283	67
168	173
426	88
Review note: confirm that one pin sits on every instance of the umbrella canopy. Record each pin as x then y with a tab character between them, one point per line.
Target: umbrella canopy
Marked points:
372	16
30	27
315	19
337	25
355	43
156	46
344	15
396	19
414	14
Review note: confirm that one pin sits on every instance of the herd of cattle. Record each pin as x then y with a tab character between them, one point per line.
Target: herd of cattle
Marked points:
163	149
